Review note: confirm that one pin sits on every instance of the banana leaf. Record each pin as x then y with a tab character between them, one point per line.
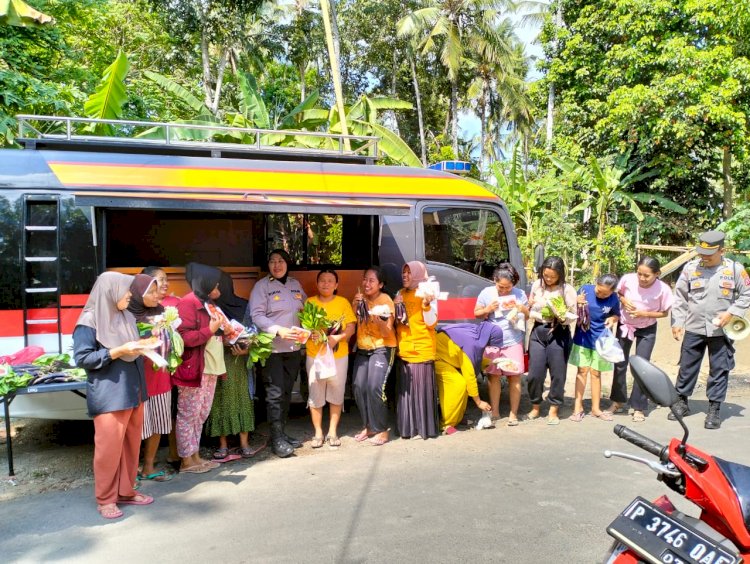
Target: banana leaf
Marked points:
18	13
110	96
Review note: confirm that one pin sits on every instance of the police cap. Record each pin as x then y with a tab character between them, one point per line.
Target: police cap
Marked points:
709	242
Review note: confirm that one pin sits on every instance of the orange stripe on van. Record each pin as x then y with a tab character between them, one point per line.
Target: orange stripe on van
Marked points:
190	180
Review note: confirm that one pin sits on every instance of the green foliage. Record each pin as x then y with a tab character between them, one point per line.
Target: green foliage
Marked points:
737	229
110	97
19	13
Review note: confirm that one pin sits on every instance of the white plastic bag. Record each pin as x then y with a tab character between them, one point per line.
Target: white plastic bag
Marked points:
609	348
324	364
485	421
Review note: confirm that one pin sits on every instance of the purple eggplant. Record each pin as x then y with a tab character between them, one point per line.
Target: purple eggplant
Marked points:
584	316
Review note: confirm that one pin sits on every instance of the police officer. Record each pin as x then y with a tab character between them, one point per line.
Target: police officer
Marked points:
275	302
710	290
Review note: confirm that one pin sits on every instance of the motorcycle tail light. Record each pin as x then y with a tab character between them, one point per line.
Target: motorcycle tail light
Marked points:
664	504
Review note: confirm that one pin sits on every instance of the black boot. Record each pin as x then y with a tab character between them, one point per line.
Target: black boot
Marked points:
295	443
713	419
279	444
681	408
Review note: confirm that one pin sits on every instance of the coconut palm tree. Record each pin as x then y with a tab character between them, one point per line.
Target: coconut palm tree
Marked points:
453	27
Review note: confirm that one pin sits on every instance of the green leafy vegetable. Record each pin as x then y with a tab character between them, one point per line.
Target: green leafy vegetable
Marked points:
11	380
555	308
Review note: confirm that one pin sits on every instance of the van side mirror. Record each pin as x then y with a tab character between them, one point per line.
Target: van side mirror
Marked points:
653	381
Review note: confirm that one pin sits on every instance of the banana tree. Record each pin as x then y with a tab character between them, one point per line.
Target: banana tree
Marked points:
362	119
110	96
527	200
605	186
19	13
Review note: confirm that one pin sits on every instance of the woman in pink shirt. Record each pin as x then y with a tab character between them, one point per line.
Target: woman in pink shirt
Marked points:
644	299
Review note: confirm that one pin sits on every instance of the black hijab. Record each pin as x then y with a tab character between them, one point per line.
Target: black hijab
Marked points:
230	303
202	279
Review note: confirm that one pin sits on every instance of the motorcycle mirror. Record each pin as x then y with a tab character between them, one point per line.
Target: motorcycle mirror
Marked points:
653	381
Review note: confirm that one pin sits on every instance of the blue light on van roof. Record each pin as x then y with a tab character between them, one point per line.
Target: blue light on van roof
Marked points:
456	167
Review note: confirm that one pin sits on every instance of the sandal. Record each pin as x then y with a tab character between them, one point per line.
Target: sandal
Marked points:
160	476
577	417
221	453
138	499
109	511
604	416
361	436
317	442
195	469
638	417
247	452
553	420
531	415
512	423
334	441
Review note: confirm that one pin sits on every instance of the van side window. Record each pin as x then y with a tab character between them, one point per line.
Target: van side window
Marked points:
308	238
471	239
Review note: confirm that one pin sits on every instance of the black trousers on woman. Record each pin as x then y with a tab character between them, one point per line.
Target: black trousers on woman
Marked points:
279	374
549	349
371	369
645	339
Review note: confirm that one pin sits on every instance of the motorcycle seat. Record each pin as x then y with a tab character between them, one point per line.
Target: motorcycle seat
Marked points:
738	476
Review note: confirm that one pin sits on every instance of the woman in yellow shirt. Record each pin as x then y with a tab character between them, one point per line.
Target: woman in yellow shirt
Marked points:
332	389
416	403
376	342
460	351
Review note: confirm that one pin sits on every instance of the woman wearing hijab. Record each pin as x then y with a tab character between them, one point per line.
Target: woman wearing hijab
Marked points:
195	381
416	397
232	412
105	345
157	409
460	351
275	303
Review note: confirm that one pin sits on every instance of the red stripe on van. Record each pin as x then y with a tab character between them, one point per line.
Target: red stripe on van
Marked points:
456	309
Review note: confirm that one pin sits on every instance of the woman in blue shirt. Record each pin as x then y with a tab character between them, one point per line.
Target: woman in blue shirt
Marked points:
604	313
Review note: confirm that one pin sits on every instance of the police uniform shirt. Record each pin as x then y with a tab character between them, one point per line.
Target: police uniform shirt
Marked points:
702	293
274	305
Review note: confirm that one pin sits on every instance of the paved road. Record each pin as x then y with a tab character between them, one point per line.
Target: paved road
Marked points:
532	493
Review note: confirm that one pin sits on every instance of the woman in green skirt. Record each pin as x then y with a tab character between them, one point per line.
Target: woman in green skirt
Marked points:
232	412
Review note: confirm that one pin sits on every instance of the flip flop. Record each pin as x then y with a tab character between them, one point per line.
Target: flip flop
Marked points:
109	511
220	454
604	416
638	417
359	437
553	420
377	442
512	423
211	464
160	476
197	469
317	442
531	417
247	452
227	458
577	417
144	500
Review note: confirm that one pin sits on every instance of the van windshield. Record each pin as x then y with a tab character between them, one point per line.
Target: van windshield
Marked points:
472	239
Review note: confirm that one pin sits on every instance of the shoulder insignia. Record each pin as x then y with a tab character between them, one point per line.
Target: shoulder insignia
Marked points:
728	272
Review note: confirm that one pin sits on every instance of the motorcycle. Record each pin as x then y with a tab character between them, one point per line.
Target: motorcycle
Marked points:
655	531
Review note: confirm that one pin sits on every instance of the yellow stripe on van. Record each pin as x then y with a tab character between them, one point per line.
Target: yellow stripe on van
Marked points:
188	180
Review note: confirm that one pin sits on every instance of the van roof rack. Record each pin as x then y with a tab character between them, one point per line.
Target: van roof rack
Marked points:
191	139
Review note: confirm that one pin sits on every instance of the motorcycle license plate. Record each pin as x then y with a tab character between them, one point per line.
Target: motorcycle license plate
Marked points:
657	537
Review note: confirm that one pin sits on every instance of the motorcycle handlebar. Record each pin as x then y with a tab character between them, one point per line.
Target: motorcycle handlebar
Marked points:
642	442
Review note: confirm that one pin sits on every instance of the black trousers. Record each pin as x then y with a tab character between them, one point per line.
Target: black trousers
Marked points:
279	374
720	363
548	349
371	369
645	339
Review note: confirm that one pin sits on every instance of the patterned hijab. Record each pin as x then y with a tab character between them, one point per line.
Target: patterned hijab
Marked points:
472	338
113	327
140	287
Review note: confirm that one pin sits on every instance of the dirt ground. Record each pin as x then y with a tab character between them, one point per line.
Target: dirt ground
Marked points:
56	455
